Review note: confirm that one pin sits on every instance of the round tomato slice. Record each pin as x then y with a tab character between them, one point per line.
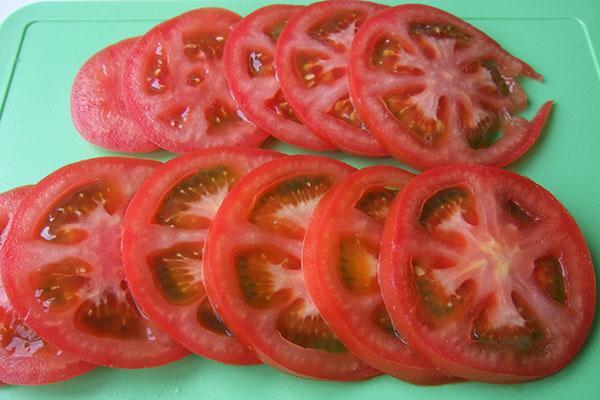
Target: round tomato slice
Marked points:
311	61
164	232
435	90
487	274
175	84
97	105
250	70
253	270
339	262
25	358
63	271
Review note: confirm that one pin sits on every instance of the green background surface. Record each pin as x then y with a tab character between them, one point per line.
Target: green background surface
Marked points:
42	46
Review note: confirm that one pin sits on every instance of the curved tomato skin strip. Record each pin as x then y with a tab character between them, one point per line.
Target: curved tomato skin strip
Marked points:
79	329
320	256
180	321
232	233
561	328
45	364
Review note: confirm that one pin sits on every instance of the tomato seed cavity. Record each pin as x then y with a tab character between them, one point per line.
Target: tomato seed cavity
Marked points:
358	265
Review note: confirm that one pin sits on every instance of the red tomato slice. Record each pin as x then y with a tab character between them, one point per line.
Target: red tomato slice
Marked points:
250	70
175	84
339	260
311	61
253	272
63	270
435	90
486	273
164	232
25	358
97	105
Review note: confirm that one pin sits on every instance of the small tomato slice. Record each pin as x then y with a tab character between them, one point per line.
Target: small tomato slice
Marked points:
249	58
339	262
312	61
163	238
63	270
25	358
435	90
253	269
175	84
487	274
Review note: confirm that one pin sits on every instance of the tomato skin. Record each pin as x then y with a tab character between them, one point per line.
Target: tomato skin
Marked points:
180	321
61	330
367	85
252	93
401	296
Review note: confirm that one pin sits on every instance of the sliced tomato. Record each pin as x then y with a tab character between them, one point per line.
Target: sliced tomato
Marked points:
253	270
163	239
175	84
97	105
62	266
311	61
487	274
339	263
249	58
25	358
435	90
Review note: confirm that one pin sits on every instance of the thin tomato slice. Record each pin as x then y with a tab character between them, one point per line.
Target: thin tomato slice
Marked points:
311	61
253	269
25	358
339	259
435	90
163	238
97	105
175	84
249	58
487	274
63	270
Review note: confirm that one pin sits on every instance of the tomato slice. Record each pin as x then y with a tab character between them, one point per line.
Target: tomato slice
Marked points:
25	358
339	259
175	85
63	270
311	61
486	273
253	271
250	70
163	238
97	105
435	90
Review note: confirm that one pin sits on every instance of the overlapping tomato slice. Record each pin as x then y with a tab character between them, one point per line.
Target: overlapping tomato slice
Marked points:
312	62
340	266
253	268
434	90
487	274
63	270
163	246
176	88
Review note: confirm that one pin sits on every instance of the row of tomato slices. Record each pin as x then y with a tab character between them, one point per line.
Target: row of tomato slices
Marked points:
410	81
301	262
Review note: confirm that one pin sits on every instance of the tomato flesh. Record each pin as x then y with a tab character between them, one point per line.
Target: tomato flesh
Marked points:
487	274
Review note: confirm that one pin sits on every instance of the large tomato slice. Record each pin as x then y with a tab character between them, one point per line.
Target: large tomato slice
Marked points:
253	270
250	70
311	61
175	84
25	358
164	232
62	266
97	105
434	90
487	274
339	262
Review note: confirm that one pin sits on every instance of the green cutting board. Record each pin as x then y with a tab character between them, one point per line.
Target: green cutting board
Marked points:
42	46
